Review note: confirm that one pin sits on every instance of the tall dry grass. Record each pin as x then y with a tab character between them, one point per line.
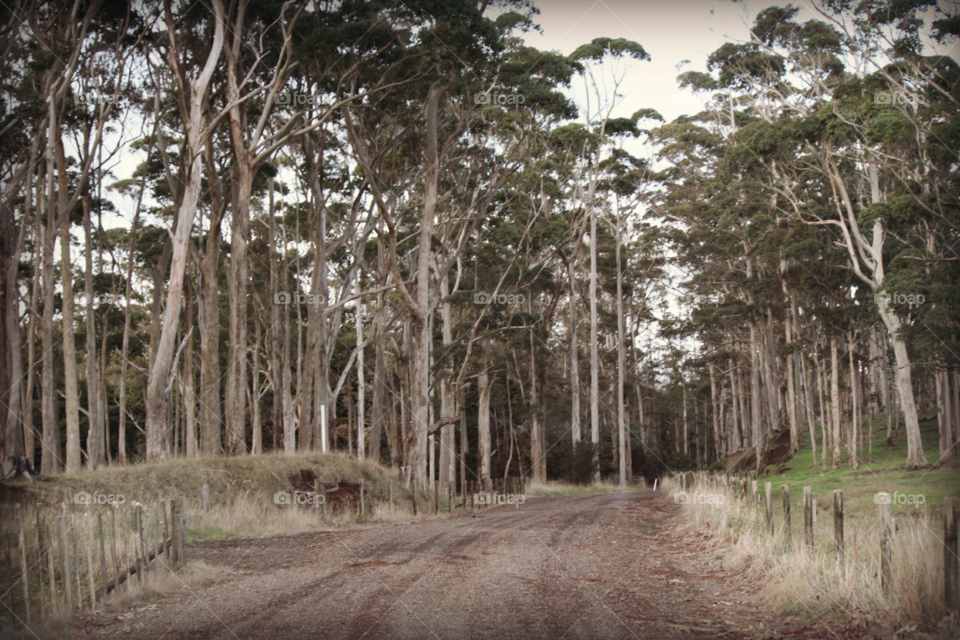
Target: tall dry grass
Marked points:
556	488
817	583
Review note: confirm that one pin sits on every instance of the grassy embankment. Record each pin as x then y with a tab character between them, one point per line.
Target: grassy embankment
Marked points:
811	586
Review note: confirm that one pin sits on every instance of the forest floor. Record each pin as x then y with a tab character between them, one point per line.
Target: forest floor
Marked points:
610	565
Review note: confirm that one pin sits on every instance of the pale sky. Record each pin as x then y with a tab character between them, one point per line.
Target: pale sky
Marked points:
670	32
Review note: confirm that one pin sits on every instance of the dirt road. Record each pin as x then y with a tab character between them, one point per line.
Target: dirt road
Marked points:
598	566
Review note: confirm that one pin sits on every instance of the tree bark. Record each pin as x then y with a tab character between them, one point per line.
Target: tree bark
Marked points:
378	414
421	363
621	367
189	383
72	398
759	434
95	440
836	450
574	357
594	357
483	416
158	432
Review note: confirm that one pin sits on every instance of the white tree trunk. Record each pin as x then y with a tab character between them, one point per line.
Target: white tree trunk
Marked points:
594	359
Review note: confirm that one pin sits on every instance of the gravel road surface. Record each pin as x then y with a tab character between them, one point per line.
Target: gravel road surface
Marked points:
594	566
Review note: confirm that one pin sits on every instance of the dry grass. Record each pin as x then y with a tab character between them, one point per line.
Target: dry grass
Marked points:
131	596
554	488
810	584
386	512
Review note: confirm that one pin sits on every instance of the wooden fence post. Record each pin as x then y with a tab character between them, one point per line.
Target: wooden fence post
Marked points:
754	498
206	498
78	569
391	492
808	517
838	521
182	537
169	543
103	553
786	513
41	556
138	545
90	570
886	540
65	556
768	496
113	547
21	536
51	568
951	588
362	506
6	550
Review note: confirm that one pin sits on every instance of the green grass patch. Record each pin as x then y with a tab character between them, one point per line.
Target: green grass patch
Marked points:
881	469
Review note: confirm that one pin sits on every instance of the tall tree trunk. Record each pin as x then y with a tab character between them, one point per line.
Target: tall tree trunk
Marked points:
854	405
12	450
447	394
29	431
95	452
158	432
836	450
792	390
686	424
210	417
574	356
276	377
235	393
422	337
824	414
378	415
759	433
72	399
594	357
256	439
808	400
621	366
717	438
944	413
361	419
309	433
737	425
538	448
190	382
483	416
771	374
52	461
289	419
